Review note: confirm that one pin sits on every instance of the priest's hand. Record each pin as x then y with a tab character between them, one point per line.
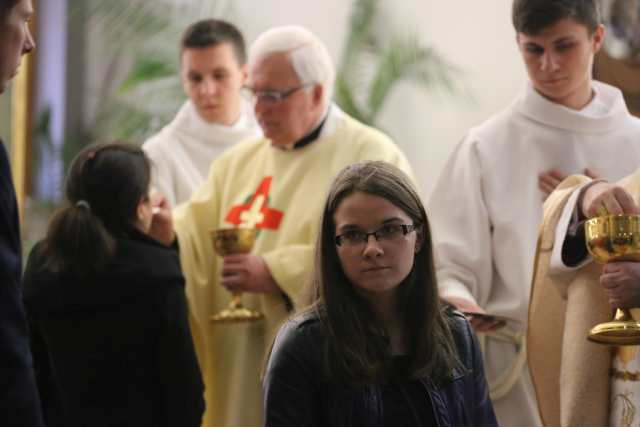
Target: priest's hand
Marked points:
161	221
247	273
469	307
621	283
548	181
610	197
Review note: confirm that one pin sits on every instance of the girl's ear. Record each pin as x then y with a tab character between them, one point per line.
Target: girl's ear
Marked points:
143	215
140	210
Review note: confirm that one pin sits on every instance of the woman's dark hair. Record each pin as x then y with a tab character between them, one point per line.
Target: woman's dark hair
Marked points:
103	189
359	351
532	16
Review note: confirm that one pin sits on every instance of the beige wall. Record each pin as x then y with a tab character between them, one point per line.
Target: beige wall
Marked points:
479	38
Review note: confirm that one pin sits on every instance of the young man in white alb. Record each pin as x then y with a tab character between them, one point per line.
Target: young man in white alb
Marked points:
487	206
214	118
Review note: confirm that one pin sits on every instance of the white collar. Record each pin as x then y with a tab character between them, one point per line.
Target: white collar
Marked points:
333	114
606	110
189	122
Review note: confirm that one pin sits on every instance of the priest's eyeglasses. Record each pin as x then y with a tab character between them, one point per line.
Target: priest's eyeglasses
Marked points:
271	96
387	233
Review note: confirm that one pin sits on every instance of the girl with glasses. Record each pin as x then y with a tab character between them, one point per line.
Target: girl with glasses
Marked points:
375	346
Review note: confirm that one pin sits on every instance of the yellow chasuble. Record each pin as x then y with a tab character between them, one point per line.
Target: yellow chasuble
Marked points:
571	375
281	193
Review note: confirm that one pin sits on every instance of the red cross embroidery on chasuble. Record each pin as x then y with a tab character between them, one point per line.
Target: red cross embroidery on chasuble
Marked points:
255	213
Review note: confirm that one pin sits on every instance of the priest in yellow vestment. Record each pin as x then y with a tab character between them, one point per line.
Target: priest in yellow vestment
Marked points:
276	184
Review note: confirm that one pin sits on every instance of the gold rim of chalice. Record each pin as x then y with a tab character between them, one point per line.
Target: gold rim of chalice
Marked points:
230	241
614	238
236	313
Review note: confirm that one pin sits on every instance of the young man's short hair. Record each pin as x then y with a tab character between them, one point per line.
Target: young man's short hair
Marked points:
212	32
532	16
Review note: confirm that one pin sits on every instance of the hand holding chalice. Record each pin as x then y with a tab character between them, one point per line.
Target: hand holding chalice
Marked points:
613	236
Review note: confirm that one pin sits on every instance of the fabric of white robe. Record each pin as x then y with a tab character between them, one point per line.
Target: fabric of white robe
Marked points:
486	209
182	152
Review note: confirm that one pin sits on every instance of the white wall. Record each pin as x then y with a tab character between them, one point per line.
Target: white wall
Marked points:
479	38
475	35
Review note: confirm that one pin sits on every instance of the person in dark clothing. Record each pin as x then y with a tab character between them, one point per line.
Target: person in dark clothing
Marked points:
375	345
105	296
19	403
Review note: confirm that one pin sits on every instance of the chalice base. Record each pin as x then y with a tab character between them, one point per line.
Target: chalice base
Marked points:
236	314
616	332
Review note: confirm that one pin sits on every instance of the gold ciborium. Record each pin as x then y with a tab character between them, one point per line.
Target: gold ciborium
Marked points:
230	241
615	238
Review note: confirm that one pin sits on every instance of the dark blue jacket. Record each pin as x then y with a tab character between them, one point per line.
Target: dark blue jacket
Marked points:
19	403
297	394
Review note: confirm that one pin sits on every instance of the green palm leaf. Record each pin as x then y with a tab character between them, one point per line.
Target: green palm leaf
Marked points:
344	98
140	38
360	34
148	68
405	59
370	68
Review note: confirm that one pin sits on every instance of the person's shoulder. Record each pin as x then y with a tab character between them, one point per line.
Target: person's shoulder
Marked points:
149	260
241	157
499	123
297	344
159	150
463	336
156	142
633	121
298	332
357	141
34	270
295	360
360	132
242	150
458	320
306	323
138	243
496	131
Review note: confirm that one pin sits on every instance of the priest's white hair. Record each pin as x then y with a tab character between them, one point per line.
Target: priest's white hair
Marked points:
307	55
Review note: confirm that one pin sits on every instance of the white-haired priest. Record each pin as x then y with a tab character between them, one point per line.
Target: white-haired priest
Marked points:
276	184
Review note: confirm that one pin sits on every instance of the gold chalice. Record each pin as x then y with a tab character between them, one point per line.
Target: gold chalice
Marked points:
229	241
615	238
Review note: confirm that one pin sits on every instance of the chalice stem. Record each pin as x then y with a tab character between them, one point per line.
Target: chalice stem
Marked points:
623	314
236	300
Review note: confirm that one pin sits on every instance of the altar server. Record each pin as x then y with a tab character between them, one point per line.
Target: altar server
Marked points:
487	205
214	118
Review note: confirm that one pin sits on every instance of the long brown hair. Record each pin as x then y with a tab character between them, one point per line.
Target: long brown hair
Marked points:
358	349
